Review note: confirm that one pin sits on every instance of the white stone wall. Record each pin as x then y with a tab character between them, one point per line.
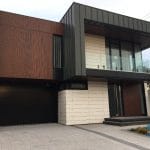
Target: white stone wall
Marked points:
62	107
95	51
147	96
84	106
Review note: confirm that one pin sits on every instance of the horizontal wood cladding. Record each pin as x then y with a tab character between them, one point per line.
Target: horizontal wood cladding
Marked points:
26	46
95	51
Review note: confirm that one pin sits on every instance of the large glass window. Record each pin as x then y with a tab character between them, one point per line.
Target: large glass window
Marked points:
57	51
108	55
146	60
127	56
138	58
115	56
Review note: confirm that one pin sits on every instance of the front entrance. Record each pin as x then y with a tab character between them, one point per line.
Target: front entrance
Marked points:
126	99
115	100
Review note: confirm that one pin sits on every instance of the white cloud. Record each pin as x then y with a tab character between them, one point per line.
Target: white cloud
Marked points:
55	9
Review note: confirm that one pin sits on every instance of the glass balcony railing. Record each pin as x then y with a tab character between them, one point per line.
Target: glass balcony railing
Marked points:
115	63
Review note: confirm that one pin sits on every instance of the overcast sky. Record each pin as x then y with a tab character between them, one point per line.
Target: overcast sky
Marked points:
54	9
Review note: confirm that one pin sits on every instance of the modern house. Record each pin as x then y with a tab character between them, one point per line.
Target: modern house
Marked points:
87	67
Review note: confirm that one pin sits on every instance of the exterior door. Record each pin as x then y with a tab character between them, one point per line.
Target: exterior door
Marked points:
115	100
133	99
126	99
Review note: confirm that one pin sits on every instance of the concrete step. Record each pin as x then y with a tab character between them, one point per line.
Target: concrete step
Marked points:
125	121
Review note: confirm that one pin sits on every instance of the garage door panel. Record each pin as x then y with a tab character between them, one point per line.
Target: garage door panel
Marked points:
27	104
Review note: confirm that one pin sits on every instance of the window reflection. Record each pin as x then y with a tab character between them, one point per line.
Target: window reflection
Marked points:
108	59
138	58
127	56
115	56
146	60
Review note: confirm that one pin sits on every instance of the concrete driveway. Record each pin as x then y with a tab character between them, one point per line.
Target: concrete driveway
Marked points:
59	137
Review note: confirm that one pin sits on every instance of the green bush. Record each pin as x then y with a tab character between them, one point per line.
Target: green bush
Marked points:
141	130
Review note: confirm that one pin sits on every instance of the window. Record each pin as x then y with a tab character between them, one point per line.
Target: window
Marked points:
138	58
57	51
127	56
146	60
115	55
108	59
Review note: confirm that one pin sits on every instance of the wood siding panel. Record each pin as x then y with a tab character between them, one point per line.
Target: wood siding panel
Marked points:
95	51
26	46
132	97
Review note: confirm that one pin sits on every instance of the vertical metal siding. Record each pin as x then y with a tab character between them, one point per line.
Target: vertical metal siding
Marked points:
131	23
110	18
135	24
105	17
125	20
94	14
116	19
82	42
87	12
69	44
148	27
100	16
77	40
139	24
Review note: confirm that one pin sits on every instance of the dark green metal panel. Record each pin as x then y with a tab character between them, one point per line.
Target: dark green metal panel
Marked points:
148	27
116	19
69	44
139	24
131	23
126	23
57	51
100	16
111	18
105	17
135	24
94	14
81	53
87	12
144	25
121	21
77	40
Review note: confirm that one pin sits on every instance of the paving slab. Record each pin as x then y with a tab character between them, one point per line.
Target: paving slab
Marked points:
120	134
56	137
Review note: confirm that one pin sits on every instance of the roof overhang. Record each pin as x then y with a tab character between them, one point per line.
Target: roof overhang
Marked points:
119	33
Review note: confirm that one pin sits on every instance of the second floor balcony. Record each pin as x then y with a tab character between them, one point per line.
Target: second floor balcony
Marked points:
107	54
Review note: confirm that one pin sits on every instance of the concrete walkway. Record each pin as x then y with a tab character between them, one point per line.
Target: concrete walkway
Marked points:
120	134
59	137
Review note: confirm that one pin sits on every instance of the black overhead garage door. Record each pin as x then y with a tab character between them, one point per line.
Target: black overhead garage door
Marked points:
27	104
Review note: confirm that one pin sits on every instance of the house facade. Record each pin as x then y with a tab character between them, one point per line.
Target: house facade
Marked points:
87	67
